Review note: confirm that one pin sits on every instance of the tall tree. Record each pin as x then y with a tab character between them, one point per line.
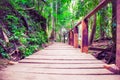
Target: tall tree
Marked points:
93	31
114	23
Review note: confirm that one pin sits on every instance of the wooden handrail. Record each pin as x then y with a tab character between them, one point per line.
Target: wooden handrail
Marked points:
84	27
100	5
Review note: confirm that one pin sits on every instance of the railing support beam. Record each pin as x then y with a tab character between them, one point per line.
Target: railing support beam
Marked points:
118	35
76	37
84	35
71	38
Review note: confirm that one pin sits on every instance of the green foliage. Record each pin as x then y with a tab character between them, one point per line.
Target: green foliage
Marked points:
37	38
3	53
12	17
59	13
28	50
23	40
21	1
18	34
28	39
1	49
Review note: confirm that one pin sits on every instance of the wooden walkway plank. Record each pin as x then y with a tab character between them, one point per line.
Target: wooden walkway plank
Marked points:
58	62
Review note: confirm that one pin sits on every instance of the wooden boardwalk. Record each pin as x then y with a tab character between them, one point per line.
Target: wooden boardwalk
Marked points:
58	62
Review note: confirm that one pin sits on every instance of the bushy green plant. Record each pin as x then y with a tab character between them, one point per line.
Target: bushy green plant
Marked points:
23	40
29	38
1	49
38	38
26	51
3	53
12	19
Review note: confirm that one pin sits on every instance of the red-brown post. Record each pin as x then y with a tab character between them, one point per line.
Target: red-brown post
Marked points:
118	35
64	38
72	38
84	35
76	37
69	38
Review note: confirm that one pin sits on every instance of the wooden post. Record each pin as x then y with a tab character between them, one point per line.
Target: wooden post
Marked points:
64	38
76	37
84	35
118	35
71	38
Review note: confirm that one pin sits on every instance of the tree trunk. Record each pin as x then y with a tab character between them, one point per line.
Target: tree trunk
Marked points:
114	21
93	31
102	18
25	22
3	35
102	32
53	20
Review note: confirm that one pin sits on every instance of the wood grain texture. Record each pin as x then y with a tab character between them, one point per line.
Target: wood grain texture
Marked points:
118	35
84	40
58	62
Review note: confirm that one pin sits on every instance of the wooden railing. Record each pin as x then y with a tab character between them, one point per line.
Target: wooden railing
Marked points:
73	33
